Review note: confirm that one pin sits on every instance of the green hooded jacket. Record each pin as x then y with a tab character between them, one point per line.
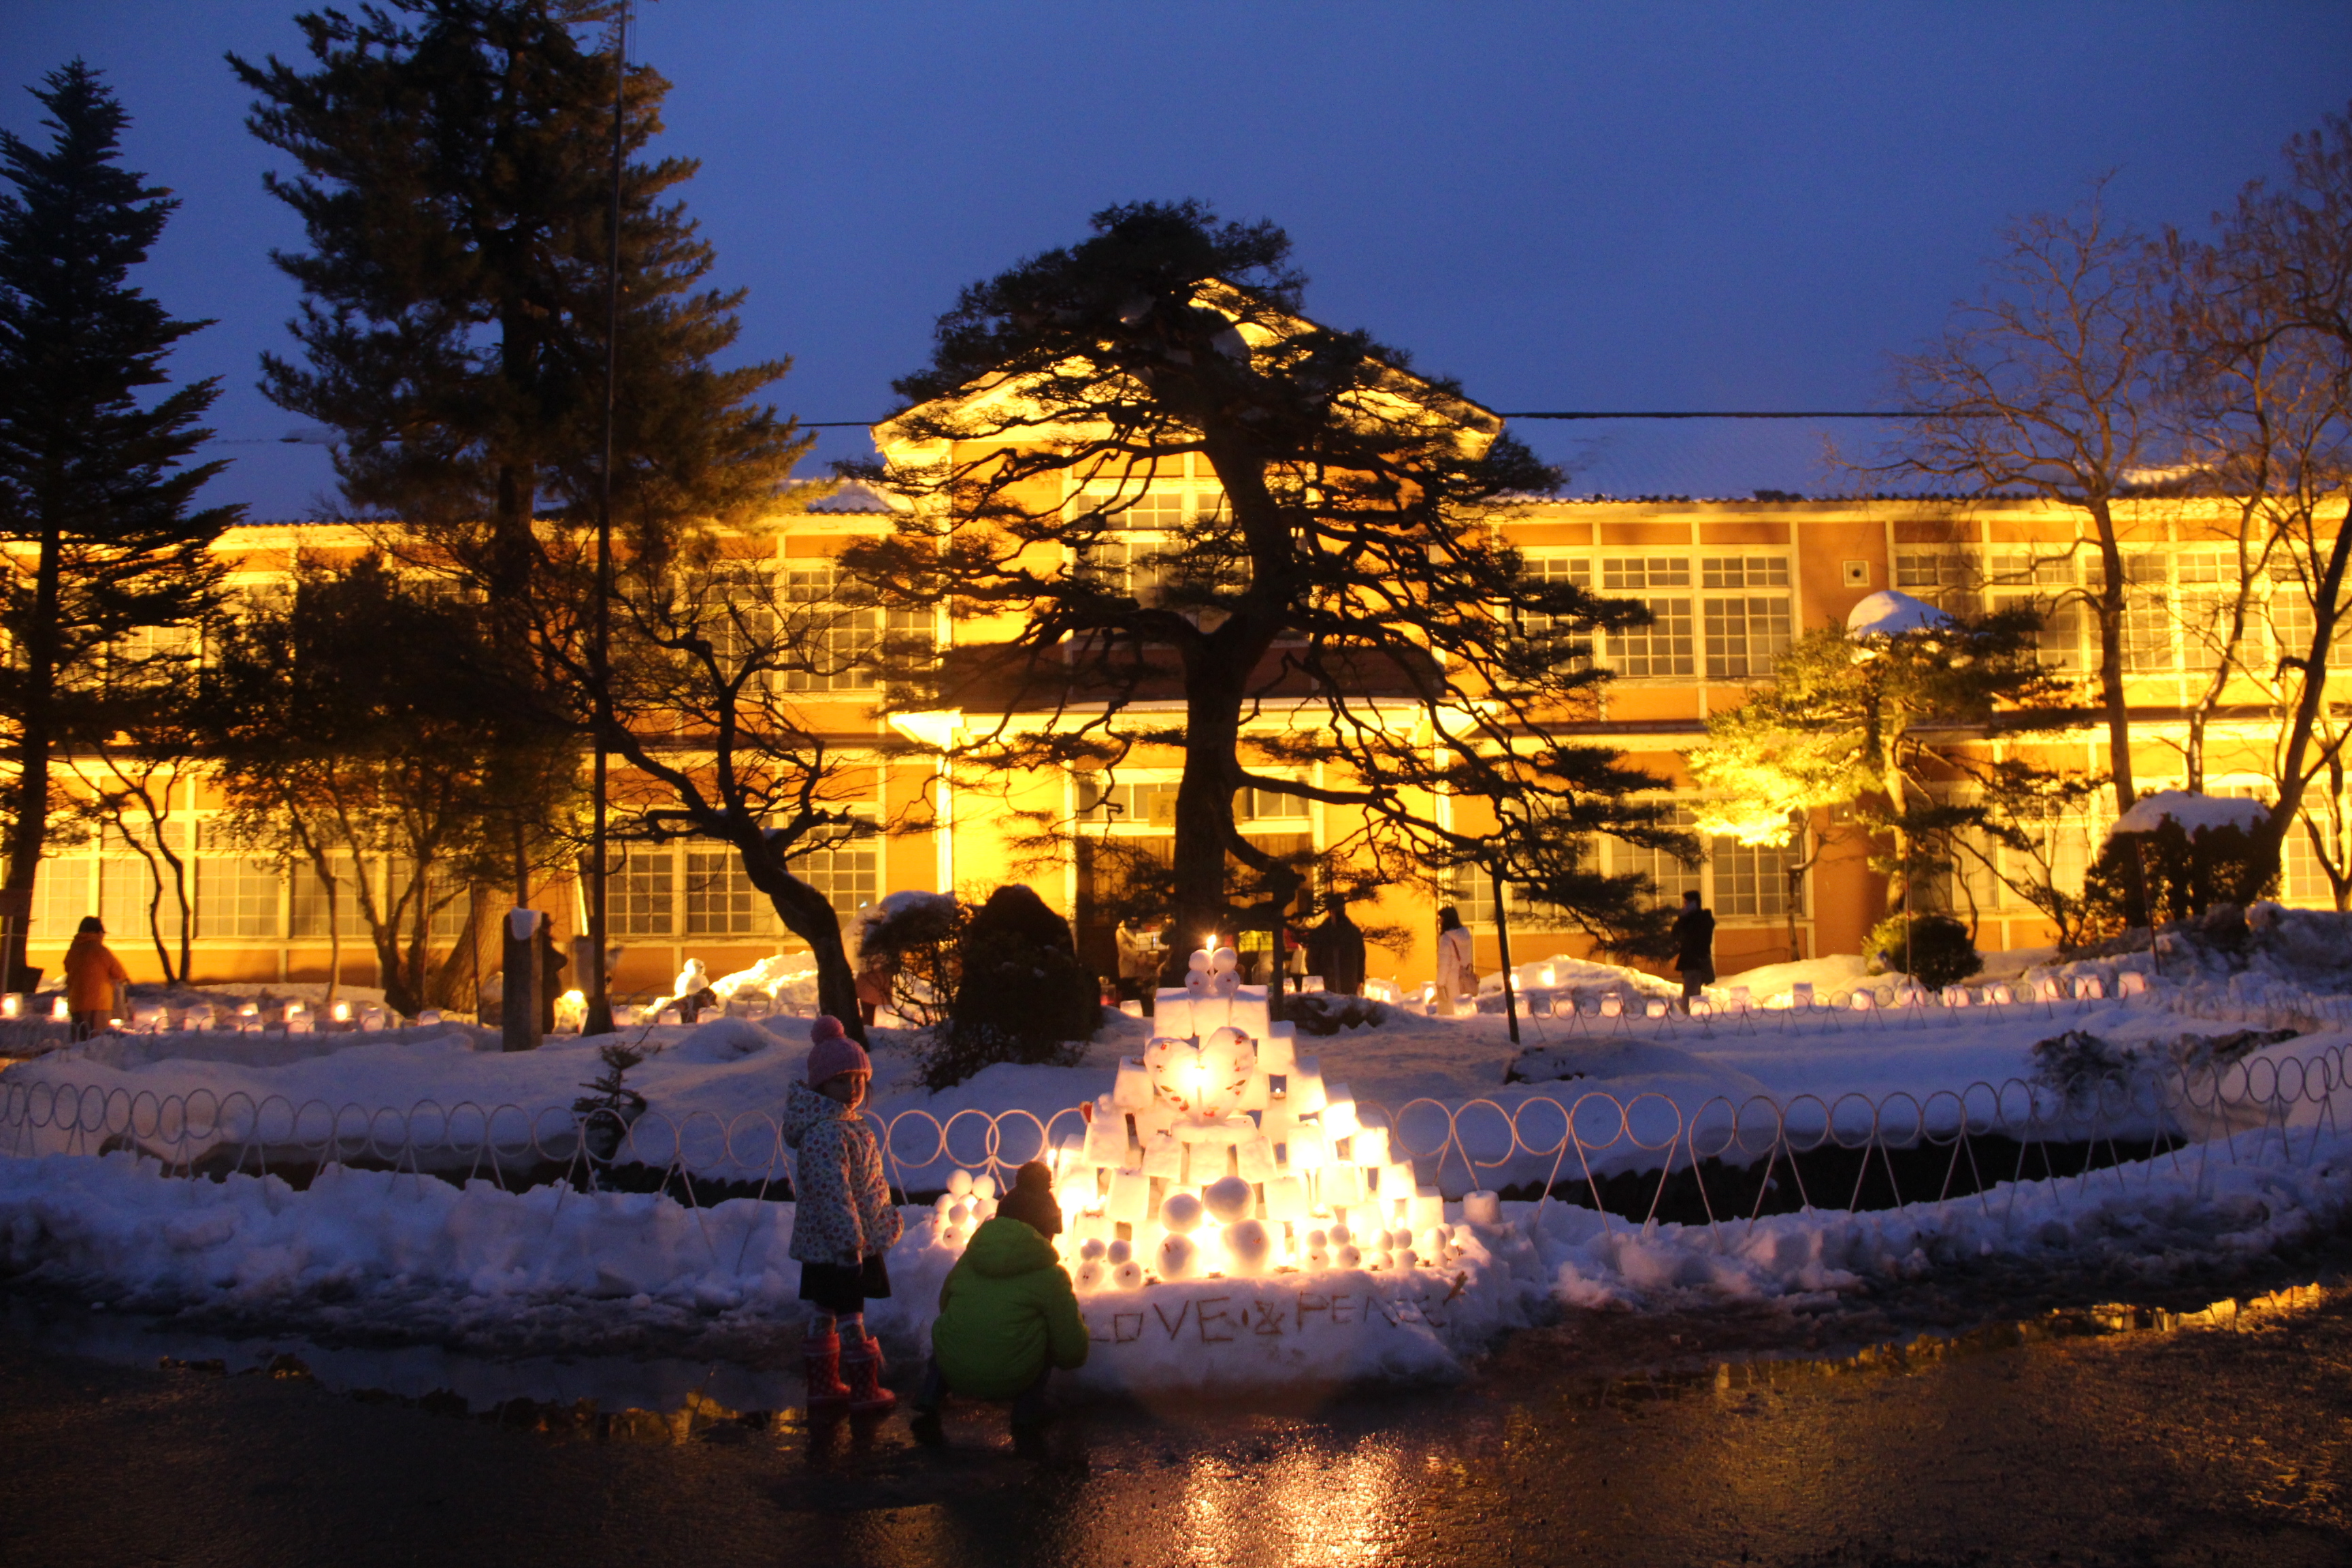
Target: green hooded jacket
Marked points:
1005	1311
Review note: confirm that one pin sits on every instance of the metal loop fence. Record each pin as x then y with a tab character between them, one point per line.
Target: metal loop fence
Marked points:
1943	1145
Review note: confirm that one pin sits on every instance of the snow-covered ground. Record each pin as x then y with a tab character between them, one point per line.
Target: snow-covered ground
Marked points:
389	1248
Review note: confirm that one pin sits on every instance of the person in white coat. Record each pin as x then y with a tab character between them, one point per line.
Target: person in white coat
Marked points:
1458	968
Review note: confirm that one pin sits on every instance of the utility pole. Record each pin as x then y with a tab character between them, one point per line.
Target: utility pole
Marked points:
599	1020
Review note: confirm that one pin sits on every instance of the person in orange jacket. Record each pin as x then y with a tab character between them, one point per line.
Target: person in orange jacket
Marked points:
92	973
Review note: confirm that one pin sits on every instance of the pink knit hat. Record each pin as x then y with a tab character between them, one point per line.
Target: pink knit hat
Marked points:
831	1051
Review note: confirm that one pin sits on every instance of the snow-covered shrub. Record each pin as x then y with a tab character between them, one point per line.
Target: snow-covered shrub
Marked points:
2079	1062
919	936
2195	860
1022	995
1938	951
1328	1011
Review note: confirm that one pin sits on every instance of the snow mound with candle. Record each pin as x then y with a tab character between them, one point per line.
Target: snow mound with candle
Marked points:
1228	1218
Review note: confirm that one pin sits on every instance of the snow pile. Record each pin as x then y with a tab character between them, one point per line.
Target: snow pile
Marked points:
385	1251
1888	613
2195	813
380	1246
2228	1200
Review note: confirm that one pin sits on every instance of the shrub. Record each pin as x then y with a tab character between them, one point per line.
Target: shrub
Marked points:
2187	874
921	937
1939	951
1022	995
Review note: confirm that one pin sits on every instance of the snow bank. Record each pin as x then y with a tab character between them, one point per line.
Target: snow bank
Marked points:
382	1247
2194	812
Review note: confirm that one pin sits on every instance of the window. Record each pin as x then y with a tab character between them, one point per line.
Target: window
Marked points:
1752	883
62	894
1672	877
1127	805
2044	582
838	645
2209	580
1947	578
720	897
1665	646
2147	613
1161	509
2289	613
640	896
1745	632
309	900
1266	805
848	874
1544	569
238	896
1131	568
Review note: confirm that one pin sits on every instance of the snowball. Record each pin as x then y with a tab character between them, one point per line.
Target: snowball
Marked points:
1090	1273
959	1182
1128	1276
959	1214
1180	1213
1318	1239
945	1202
1120	1252
1347	1258
1248	1246
1177	1259
1339	1236
1229	1199
1202	961
1091	1250
1406	1257
983	1186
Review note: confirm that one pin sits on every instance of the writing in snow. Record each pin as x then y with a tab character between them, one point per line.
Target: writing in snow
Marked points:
1217	1319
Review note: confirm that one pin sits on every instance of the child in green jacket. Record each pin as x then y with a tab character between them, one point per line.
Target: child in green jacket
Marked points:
1007	1313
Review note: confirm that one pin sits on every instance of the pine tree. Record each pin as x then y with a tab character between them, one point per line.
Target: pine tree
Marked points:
455	189
1863	722
96	490
1352	578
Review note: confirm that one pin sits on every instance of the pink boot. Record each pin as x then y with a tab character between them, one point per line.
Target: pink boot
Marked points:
861	1364
821	1363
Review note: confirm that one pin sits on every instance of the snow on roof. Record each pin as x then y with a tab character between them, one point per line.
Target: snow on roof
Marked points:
1888	613
2195	813
855	496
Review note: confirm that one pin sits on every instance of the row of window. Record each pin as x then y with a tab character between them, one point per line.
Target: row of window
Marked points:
1738	881
1727	630
2176	602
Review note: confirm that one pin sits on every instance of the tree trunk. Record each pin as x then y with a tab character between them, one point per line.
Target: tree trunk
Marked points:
2270	835
2110	611
30	835
808	915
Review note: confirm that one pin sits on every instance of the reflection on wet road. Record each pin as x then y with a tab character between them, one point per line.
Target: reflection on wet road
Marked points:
2128	1436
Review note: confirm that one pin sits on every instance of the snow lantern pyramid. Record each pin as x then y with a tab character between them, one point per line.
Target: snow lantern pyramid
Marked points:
1220	1151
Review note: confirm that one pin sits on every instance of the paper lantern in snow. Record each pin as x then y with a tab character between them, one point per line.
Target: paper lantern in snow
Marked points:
1428	1209
1177	1259
1255	1158
1370	1145
1248	1250
1306	1096
1342	1187
1163	1157
1285	1200
1229	1198
1131	1090
1180	1213
1482	1208
1278	1049
1128	1276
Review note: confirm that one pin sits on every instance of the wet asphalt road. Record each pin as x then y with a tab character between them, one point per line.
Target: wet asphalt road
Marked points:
2181	1446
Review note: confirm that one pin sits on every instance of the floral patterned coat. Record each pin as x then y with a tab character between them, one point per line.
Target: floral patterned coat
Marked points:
842	1213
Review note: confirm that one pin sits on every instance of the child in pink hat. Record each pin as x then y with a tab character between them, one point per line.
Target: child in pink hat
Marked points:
843	1221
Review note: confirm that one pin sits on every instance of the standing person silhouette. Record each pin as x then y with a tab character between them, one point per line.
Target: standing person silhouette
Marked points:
94	979
1693	947
1457	967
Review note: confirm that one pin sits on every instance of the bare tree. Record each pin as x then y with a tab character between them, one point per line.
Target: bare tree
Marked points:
2265	329
2051	383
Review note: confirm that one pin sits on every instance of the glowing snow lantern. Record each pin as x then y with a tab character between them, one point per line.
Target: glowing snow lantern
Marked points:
1177	1257
1248	1250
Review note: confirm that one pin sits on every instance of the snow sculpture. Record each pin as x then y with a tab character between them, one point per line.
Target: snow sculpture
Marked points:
1219	1151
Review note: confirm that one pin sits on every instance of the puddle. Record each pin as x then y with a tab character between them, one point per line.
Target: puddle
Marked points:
673	1401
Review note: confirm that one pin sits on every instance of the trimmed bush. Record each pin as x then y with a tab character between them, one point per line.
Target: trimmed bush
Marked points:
1940	953
2187	874
1023	995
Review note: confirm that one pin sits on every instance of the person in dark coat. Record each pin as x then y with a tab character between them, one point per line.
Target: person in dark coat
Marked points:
1693	947
1335	950
550	975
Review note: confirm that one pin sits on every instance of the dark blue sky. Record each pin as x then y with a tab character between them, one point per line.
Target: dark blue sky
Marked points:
1567	207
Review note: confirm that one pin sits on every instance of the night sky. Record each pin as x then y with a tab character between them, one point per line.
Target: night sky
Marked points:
1567	207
